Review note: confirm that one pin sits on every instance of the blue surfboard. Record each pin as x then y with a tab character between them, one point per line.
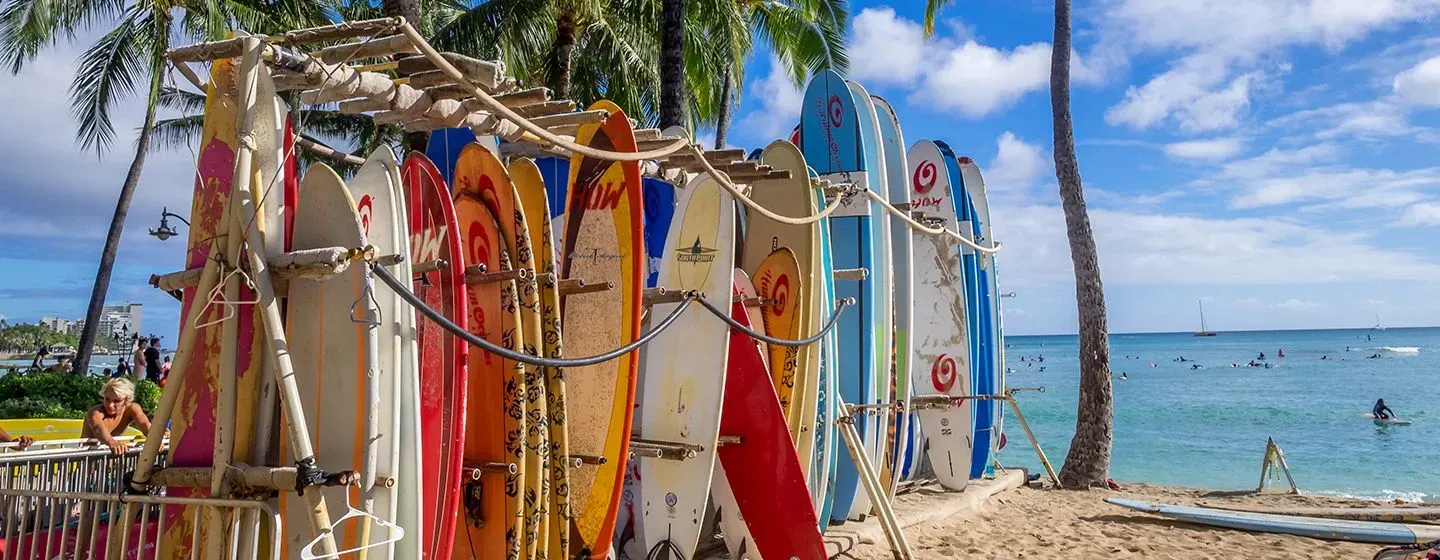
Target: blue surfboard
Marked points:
829	362
830	141
659	211
980	204
1317	528
979	290
556	172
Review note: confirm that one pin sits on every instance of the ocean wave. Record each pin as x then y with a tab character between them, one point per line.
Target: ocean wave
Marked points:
1383	495
1400	349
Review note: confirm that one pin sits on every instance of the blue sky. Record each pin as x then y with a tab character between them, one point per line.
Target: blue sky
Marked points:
1275	159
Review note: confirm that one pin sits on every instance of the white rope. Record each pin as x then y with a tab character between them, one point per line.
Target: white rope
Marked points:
939	230
509	114
740	195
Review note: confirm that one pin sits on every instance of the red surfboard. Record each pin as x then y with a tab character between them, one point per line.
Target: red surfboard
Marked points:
435	235
763	471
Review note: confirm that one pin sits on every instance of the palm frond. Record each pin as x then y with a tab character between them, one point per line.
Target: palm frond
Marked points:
933	7
177	133
27	26
109	70
182	101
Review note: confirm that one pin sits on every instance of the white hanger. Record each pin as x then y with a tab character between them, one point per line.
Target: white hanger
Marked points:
397	533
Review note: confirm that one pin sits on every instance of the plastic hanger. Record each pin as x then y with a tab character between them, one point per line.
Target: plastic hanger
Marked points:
397	533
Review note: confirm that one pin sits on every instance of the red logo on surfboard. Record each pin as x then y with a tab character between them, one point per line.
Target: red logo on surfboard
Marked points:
942	373
366	208
924	177
780	293
603	196
834	108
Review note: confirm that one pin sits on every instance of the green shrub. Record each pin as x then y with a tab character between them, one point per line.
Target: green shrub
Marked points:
61	395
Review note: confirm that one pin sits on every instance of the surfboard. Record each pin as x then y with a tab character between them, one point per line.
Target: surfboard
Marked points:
531	196
880	270
54	429
492	517
376	191
1387	421
496	191
445	145
763	471
192	425
685	371
830	140
827	440
556	174
790	197
602	243
987	412
897	191
434	235
1327	529
778	284
940	362
333	349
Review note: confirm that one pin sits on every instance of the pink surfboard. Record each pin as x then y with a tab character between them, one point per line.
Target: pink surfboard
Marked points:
435	235
763	470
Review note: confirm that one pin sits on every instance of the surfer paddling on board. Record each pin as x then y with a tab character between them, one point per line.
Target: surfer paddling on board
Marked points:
1381	411
110	418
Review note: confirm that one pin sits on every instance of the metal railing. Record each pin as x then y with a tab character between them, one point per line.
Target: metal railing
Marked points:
68	503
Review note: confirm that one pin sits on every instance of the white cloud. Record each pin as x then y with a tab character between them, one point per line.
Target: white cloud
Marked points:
899	42
952	72
1420	85
1421	214
1208	88
1017	164
1160	249
779	102
1294	304
1214	149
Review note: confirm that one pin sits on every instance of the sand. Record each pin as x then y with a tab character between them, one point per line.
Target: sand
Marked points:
1035	523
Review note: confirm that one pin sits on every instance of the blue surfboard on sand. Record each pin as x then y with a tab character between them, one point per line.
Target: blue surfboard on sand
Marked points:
830	141
1314	527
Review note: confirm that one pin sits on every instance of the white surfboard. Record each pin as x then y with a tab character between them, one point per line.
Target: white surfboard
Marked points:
939	364
892	139
334	355
376	190
685	371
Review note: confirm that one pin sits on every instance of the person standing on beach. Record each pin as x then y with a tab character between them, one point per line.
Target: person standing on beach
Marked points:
152	360
117	412
137	360
123	369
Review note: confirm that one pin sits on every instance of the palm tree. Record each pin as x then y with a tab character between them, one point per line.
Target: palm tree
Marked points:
1088	462
133	50
933	7
807	36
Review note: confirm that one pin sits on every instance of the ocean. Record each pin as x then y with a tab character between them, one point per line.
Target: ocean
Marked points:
1207	427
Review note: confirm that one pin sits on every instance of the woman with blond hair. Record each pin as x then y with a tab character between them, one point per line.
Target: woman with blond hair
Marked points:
117	412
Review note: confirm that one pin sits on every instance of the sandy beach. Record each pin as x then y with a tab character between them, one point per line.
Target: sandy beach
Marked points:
1034	523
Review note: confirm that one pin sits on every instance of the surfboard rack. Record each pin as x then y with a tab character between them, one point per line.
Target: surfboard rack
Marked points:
588	459
474	470
668	450
753	301
851	274
476	276
870	480
658	296
1273	465
424	267
317	264
729	440
577	286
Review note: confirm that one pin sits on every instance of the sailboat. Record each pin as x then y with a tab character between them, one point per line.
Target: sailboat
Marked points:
1378	326
1203	331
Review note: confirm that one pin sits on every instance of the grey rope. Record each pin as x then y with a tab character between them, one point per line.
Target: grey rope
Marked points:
834	320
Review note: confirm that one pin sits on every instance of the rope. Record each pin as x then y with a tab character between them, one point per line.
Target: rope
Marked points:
506	353
740	195
509	114
938	230
834	320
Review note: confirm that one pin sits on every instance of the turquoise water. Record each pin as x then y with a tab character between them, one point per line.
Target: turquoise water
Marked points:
1207	427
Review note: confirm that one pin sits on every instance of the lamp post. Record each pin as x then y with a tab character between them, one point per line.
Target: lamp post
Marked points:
165	231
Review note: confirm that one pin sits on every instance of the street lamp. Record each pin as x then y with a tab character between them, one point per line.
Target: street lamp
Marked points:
165	231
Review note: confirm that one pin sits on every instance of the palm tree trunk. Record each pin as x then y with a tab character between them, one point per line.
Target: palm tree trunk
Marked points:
117	224
410	10
722	123
1088	462
560	53
672	63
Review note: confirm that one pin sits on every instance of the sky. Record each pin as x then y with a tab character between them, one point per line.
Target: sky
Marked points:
1275	160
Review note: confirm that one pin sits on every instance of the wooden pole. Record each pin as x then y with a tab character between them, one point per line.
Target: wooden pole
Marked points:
1033	442
299	432
899	546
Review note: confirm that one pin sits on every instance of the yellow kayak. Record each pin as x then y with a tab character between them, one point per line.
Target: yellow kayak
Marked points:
50	429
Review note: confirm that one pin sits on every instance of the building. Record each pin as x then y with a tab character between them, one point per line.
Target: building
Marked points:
115	321
57	324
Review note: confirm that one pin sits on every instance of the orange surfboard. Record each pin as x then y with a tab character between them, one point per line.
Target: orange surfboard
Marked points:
603	243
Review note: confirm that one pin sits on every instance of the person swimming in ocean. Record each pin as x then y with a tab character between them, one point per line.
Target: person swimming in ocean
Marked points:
1381	411
1280	353
1262	357
1123	377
